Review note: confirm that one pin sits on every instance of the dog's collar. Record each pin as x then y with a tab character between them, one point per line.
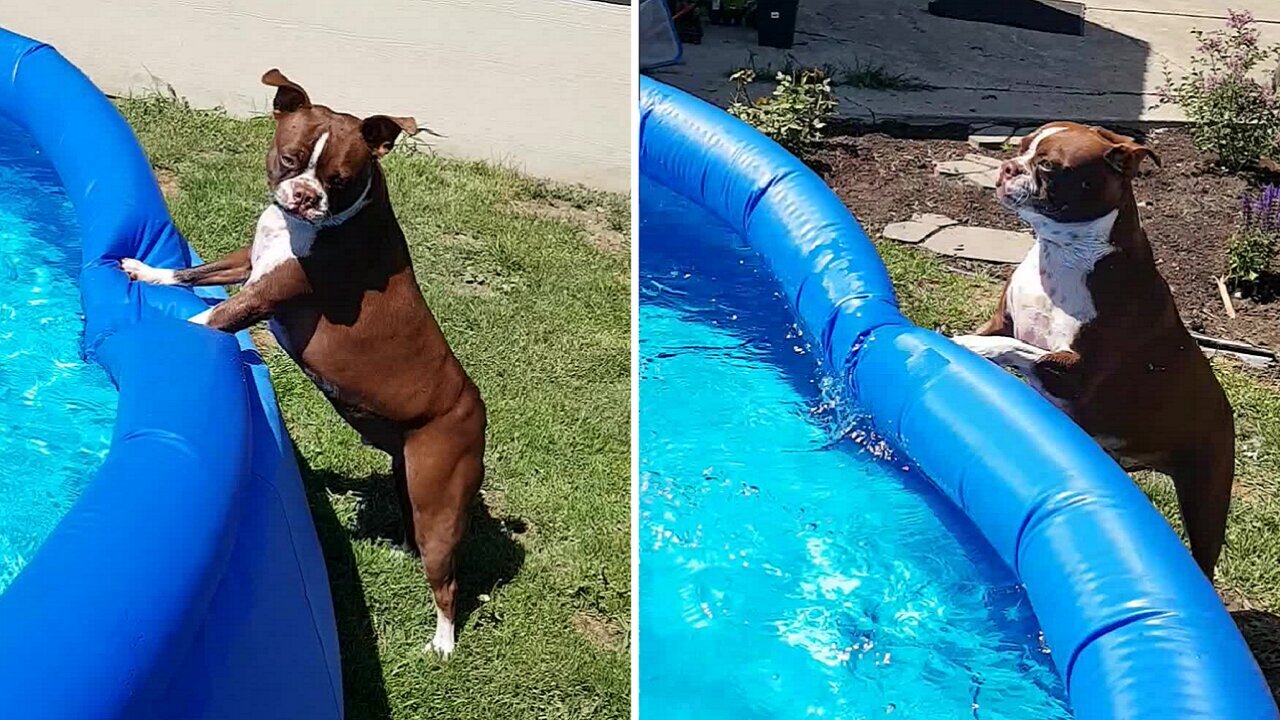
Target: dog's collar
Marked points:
345	215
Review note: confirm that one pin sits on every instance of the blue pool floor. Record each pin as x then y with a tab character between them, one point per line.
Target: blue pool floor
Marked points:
792	566
56	409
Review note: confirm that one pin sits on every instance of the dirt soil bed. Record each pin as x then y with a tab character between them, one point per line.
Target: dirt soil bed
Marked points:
1188	211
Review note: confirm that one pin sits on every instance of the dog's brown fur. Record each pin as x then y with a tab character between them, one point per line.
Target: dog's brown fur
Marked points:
1134	378
352	316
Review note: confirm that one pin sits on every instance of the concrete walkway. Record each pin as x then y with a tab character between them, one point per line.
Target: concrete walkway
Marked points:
981	71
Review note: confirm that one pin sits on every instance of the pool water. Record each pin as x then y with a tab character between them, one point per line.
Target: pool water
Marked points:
790	565
56	409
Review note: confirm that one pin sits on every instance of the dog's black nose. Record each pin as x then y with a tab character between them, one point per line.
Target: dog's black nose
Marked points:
305	198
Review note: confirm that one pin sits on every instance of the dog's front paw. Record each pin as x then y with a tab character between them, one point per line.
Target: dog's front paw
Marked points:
142	272
984	345
201	318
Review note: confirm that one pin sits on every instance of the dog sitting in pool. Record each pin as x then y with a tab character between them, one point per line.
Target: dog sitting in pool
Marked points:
1089	322
330	268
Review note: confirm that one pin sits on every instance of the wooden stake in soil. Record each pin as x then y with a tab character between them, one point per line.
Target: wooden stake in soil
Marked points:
1226	298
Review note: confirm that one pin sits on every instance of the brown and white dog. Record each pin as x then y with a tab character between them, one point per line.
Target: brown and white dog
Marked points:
1089	322
330	267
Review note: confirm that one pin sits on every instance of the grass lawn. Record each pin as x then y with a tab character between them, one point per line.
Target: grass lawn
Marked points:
531	284
1248	575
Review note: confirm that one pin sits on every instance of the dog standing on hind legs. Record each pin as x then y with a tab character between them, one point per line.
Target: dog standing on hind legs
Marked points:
1088	321
330	268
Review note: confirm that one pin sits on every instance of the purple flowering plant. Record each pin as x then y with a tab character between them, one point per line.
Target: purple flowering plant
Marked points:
1253	246
1260	210
1235	115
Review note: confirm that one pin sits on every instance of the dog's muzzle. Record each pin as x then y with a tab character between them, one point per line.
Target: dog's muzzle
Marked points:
1016	186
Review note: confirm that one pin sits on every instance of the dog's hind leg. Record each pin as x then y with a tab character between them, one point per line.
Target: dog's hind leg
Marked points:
444	463
1203	483
409	542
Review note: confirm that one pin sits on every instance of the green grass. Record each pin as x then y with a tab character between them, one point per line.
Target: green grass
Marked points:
538	313
1248	575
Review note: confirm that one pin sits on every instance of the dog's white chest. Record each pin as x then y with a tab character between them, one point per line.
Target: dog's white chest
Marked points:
1047	310
278	239
1048	297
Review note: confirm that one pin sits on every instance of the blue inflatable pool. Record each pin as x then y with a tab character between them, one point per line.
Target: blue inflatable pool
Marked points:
1134	628
187	580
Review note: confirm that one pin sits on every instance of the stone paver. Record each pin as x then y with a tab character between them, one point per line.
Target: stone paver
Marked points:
960	167
917	229
982	174
993	137
983	160
909	231
934	219
980	243
996	137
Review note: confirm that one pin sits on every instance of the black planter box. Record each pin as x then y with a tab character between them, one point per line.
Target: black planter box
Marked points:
776	22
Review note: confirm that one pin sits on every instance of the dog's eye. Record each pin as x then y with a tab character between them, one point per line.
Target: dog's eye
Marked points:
1044	166
288	162
337	181
1086	184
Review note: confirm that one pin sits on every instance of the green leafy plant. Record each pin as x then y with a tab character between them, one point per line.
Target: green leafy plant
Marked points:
1233	114
1253	246
1249	255
795	114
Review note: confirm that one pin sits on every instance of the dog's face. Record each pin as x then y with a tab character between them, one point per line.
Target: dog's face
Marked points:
1069	172
320	163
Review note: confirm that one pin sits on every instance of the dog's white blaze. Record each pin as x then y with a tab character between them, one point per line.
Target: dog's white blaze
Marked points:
143	272
443	641
279	238
1025	158
315	155
1021	188
284	191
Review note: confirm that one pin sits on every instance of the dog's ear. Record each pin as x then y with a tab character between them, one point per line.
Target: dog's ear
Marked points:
1112	137
1126	158
381	131
1126	155
289	95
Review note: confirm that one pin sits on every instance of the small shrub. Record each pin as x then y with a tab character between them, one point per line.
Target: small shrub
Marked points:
1233	115
1253	246
794	114
870	76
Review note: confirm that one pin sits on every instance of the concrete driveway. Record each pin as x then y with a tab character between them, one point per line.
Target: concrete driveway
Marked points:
980	71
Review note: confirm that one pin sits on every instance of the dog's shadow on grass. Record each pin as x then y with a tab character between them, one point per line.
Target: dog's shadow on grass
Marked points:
1261	630
490	555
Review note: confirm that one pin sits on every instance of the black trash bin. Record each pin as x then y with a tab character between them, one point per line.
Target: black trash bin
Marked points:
776	22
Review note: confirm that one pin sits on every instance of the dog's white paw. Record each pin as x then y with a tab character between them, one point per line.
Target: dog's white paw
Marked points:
983	345
202	318
443	642
441	645
142	272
